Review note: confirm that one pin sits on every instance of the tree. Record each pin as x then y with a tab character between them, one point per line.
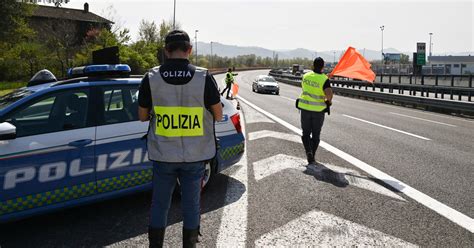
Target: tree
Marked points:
404	59
148	32
13	25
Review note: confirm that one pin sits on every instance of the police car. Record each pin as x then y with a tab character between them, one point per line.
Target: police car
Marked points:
79	140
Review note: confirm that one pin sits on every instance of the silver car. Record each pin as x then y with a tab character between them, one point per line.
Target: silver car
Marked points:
265	84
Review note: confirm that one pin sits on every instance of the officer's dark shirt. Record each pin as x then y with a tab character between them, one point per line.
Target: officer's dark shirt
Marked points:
211	93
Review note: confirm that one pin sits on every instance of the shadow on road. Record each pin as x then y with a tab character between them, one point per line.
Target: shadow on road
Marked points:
105	223
322	173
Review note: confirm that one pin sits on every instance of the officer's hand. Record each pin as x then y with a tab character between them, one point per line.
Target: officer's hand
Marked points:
328	103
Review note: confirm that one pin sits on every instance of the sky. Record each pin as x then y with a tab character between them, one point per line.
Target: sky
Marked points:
319	25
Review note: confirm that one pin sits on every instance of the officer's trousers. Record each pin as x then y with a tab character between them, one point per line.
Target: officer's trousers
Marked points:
228	86
165	176
311	123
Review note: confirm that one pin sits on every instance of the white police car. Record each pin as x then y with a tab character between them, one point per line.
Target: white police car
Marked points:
79	140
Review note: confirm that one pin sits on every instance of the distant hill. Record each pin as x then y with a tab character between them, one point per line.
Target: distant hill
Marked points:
224	50
233	51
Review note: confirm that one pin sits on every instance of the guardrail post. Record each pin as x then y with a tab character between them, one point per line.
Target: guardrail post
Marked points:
399	78
452	85
470	87
381	77
390	78
436	80
422	83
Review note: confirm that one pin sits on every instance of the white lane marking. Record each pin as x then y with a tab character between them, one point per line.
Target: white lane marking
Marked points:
233	228
421	119
317	228
272	165
256	117
275	164
287	98
451	214
272	134
408	109
389	128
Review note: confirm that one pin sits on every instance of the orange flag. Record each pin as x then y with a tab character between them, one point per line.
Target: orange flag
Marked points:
353	65
235	89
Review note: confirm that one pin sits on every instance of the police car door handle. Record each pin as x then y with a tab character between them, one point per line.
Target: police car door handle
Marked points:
80	143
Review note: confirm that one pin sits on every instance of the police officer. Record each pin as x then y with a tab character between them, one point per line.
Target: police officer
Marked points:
229	80
181	101
313	102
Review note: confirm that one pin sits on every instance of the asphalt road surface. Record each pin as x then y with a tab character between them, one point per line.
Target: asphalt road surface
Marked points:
386	176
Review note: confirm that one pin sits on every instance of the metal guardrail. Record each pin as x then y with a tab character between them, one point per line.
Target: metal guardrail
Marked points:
436	80
368	90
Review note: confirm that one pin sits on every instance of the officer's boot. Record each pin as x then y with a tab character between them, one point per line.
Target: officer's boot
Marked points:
308	149
190	237
156	236
314	148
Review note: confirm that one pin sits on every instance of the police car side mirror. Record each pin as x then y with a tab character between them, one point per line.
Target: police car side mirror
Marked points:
7	131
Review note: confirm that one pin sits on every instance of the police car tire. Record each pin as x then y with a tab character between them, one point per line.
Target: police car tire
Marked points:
209	172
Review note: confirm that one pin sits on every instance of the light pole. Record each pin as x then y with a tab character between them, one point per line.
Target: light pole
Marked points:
382	28
334	57
196	45
174	15
431	34
211	56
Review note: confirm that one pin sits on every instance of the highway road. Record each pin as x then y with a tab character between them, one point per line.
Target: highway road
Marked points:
386	176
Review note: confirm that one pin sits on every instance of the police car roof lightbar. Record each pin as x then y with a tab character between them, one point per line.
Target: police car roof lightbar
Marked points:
99	70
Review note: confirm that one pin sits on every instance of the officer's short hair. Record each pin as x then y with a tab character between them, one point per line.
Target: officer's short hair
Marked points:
177	40
229	70
318	64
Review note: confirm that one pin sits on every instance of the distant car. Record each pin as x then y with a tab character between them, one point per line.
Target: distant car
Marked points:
77	141
265	84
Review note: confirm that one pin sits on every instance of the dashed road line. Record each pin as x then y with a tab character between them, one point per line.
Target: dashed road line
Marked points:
421	119
451	214
409	110
389	128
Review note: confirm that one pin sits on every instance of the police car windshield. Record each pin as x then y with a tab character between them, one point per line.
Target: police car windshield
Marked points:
14	96
267	79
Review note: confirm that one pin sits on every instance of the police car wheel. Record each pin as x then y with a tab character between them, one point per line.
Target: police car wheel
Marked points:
208	175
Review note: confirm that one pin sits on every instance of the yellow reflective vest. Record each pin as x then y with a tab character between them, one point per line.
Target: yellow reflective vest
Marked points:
312	98
229	78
